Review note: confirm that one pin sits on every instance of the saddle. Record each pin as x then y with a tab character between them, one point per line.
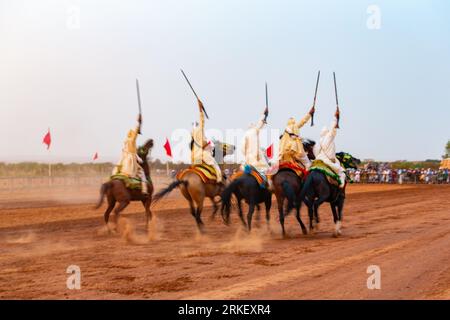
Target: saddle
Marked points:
295	167
206	172
130	182
248	169
332	177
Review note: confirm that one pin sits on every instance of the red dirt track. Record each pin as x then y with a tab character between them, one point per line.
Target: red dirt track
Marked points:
405	230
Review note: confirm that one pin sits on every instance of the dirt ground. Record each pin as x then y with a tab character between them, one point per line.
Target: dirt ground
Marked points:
405	230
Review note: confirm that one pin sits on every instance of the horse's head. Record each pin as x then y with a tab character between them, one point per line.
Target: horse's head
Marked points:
224	149
347	160
145	149
308	146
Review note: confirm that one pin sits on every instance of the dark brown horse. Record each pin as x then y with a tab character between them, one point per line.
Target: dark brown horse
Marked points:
116	191
288	185
195	190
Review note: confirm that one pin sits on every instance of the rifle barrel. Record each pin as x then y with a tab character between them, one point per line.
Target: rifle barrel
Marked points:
195	94
335	89
138	96
317	86
184	75
337	101
267	98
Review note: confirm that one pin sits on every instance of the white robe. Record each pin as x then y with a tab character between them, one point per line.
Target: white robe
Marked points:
291	147
201	151
326	151
251	148
129	164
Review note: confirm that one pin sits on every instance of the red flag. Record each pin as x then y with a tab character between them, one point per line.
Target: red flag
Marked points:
269	151
167	147
47	139
95	156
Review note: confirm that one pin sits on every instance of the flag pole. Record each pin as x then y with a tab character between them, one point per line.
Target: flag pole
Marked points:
167	167
49	169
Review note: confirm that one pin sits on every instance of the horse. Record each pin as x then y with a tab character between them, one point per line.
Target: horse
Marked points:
287	185
317	190
194	190
115	190
245	187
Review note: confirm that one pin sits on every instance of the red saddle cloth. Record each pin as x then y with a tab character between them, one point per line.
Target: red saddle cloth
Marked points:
301	172
204	171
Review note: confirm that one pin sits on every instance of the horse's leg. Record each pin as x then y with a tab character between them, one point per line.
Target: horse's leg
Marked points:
198	218
148	213
316	206
311	215
335	218
258	213
215	208
251	209
122	205
192	207
280	201
268	204
299	219
111	204
241	214
188	197
340	208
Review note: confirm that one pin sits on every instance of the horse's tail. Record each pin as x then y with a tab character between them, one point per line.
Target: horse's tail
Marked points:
103	189
164	192
227	193
290	195
306	186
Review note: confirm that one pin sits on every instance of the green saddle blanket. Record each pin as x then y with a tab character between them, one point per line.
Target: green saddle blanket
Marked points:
319	165
130	183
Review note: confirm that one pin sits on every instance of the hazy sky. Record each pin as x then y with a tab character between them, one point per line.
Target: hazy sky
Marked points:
71	66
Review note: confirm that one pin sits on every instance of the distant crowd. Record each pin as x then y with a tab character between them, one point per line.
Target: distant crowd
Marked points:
387	175
400	176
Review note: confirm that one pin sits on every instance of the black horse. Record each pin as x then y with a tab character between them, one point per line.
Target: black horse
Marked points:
317	190
246	187
288	185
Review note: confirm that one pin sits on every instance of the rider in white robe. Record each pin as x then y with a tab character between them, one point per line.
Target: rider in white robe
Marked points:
129	162
201	150
251	148
291	147
326	151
